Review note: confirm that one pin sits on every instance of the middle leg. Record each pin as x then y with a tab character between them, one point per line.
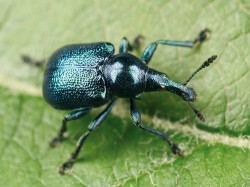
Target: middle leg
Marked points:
97	121
69	117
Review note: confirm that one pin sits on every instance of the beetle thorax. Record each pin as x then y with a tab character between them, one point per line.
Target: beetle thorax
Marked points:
125	75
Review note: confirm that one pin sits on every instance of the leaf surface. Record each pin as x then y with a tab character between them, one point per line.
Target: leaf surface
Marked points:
217	152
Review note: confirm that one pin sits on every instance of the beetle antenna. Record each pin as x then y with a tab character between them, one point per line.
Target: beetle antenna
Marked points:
197	112
204	65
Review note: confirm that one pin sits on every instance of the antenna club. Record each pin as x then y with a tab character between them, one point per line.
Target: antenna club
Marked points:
209	61
199	115
204	65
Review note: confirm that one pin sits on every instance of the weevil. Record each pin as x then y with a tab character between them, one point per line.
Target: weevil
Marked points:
80	77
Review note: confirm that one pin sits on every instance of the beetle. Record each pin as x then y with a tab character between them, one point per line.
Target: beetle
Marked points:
80	77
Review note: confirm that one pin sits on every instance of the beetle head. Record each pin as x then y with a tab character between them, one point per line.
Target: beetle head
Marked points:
157	81
187	94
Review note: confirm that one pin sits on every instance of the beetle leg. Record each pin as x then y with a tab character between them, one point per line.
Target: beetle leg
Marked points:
136	117
126	46
71	116
27	59
150	49
93	125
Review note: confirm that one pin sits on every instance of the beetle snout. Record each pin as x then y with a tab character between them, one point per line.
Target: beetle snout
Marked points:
189	94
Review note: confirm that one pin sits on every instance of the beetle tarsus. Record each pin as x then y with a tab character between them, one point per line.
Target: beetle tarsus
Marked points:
176	150
55	142
27	59
203	35
138	42
65	168
126	46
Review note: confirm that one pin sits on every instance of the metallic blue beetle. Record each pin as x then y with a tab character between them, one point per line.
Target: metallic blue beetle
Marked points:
80	77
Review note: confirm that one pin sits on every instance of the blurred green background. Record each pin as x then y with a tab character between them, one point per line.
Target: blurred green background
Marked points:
217	152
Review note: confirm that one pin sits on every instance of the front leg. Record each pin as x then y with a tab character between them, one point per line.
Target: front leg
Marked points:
126	46
150	49
136	117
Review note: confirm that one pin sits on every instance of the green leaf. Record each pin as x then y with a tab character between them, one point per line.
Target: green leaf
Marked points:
216	153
